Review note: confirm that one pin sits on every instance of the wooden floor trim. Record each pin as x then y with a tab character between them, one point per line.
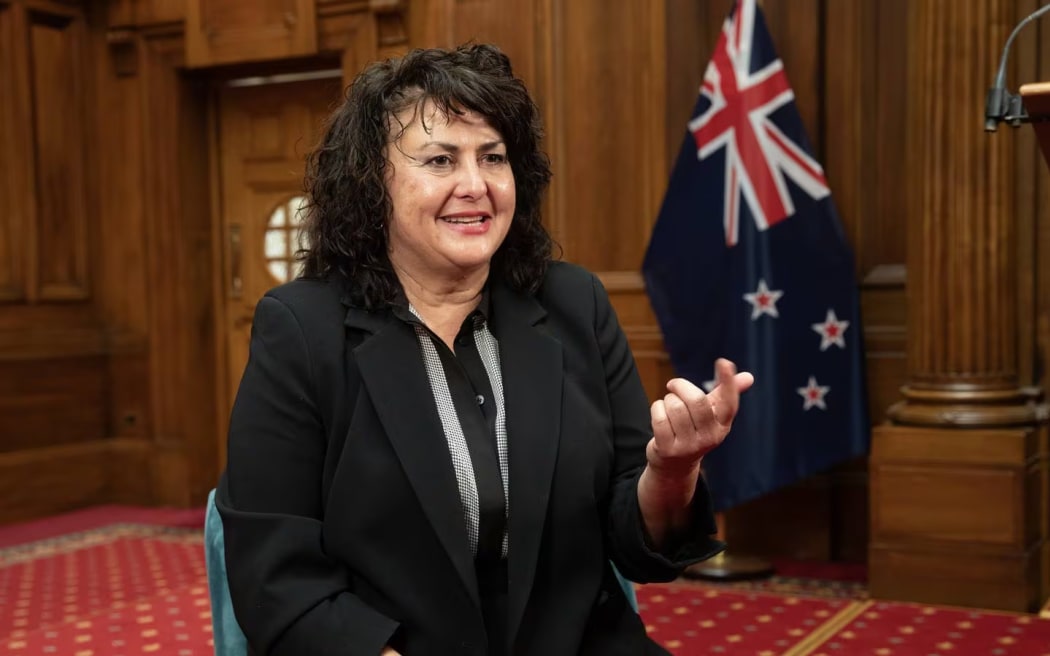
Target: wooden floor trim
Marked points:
829	628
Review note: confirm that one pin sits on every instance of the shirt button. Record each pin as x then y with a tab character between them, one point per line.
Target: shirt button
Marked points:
480	399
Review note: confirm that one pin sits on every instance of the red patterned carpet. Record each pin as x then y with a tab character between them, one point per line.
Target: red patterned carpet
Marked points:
124	582
694	619
119	589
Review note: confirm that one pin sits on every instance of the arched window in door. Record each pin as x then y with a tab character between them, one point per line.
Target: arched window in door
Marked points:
283	232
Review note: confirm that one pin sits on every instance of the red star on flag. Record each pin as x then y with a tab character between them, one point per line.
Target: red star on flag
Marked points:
831	331
763	300
813	395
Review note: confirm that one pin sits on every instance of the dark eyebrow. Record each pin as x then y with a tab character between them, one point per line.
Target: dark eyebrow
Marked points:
485	147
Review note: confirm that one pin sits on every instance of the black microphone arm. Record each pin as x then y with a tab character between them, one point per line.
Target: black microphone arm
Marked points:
1000	105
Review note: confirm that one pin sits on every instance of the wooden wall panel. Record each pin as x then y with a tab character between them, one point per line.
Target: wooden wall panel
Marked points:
515	26
50	402
797	26
234	31
54	348
690	34
56	51
123	297
14	180
41	482
607	130
123	13
179	272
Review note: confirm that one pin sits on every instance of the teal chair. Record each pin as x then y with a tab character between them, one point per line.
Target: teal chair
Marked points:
227	634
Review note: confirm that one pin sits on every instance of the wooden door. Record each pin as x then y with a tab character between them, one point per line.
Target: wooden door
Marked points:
265	134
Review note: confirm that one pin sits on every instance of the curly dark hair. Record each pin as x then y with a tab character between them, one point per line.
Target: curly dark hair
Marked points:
347	215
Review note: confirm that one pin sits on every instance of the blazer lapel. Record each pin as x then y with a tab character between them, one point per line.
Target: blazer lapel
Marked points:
531	364
396	380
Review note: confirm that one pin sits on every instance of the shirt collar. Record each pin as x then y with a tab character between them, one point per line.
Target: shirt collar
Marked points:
399	307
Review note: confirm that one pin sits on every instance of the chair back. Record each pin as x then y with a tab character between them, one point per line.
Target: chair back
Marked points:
226	633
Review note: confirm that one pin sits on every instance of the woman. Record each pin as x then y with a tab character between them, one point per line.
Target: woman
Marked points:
440	440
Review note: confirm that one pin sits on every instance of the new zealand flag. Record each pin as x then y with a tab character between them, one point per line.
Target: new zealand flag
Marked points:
748	261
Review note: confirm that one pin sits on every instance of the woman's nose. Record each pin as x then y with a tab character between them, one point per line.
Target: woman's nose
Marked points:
472	182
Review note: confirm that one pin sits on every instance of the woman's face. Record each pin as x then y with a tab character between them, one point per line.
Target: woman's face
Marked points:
452	192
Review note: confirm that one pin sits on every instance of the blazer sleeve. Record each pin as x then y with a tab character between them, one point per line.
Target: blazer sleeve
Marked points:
632	430
289	597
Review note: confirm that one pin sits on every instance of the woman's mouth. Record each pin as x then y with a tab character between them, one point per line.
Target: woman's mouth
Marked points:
464	220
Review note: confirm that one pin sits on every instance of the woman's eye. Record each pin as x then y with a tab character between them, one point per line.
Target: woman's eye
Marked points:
495	158
440	160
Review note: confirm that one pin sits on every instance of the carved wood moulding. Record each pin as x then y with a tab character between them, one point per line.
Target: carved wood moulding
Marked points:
45	235
220	32
234	31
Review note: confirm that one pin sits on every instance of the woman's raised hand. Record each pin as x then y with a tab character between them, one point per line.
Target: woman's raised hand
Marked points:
688	423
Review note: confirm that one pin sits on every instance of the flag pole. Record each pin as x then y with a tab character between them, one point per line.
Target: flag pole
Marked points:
729	566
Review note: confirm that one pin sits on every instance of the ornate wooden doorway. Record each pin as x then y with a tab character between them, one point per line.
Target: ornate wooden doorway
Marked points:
265	132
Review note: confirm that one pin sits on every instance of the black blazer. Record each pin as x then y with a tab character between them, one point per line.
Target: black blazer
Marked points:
342	518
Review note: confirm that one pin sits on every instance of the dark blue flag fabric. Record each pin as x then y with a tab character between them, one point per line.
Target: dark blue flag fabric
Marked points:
748	261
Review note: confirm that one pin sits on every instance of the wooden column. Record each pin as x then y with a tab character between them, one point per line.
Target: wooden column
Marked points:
955	504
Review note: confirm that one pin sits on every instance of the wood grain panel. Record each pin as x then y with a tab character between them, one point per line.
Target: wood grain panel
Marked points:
128	399
180	276
795	26
27	342
691	29
757	528
848	48
627	294
882	238
607	129
48	481
950	497
56	52
958	516
50	402
121	295
991	448
233	31
15	204
864	90
513	25
142	13
1004	581
850	498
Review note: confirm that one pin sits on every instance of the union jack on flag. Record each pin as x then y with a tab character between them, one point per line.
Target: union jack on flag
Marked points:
748	261
738	119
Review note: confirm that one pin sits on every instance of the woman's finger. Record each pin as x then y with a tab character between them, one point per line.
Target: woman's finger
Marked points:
695	400
678	414
662	431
